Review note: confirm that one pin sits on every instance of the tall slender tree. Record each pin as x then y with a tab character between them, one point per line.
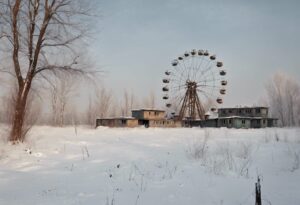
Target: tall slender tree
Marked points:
40	38
284	98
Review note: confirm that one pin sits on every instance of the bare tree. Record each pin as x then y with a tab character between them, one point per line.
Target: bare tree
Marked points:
292	97
103	102
150	100
90	113
133	101
127	103
125	107
276	98
284	98
39	37
32	110
100	105
61	93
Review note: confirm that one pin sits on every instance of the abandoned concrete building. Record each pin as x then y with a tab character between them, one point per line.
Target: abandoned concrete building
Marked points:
141	117
241	117
117	122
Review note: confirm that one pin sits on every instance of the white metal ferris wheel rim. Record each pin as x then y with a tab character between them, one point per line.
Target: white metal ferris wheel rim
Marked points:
210	77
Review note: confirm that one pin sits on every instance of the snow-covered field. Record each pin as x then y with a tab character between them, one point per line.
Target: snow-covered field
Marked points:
151	166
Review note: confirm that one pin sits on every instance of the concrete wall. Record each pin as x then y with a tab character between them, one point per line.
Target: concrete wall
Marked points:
137	114
234	123
241	123
272	123
201	123
132	123
148	115
117	122
243	112
164	123
224	123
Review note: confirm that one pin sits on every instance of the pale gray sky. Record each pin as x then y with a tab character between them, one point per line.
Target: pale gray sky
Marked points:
138	39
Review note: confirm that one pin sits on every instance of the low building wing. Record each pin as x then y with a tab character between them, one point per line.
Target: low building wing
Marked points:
149	114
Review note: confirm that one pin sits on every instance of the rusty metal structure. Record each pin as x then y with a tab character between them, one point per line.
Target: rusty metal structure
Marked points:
195	82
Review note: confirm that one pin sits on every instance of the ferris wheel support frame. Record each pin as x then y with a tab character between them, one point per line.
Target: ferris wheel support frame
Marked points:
192	103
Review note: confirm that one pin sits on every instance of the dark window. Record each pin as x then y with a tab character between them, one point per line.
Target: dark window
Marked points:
224	122
264	121
224	111
240	111
230	111
123	122
230	121
258	121
149	113
243	121
257	110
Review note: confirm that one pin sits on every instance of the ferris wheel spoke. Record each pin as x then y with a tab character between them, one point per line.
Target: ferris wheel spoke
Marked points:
209	86
209	80
210	100
199	73
177	100
179	67
200	63
188	68
183	72
212	75
177	88
192	67
198	68
207	68
209	74
208	94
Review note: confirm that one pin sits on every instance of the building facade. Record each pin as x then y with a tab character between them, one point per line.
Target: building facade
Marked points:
141	117
117	122
242	117
245	117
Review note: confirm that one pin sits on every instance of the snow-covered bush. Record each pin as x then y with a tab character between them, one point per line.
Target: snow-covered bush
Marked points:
197	149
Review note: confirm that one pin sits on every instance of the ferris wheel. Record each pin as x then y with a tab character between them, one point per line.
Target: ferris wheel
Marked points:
196	83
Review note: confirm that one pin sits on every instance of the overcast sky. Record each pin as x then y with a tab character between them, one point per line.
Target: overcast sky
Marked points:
138	39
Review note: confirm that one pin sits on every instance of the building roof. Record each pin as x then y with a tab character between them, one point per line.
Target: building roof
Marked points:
148	109
245	107
117	118
212	115
250	118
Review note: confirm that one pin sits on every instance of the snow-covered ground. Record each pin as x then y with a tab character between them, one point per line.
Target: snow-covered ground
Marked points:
151	166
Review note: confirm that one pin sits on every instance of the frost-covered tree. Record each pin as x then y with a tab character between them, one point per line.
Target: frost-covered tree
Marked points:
284	99
100	105
39	39
62	90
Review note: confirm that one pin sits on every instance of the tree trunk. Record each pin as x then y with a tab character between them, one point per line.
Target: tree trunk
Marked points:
17	131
